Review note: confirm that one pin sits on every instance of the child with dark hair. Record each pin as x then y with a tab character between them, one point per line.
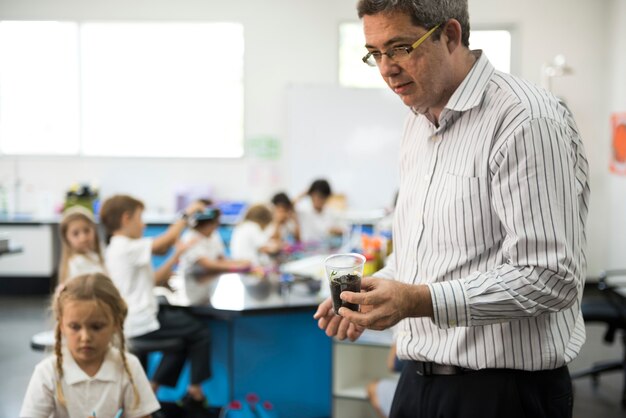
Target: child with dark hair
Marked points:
206	254
318	223
284	226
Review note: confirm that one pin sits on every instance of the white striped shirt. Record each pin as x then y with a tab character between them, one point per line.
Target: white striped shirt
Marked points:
491	216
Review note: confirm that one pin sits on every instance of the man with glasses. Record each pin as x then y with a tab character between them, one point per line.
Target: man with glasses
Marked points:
485	281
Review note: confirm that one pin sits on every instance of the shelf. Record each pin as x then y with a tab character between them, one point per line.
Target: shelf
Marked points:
371	338
353	392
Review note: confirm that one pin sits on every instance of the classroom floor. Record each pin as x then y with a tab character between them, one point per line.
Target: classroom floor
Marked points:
21	317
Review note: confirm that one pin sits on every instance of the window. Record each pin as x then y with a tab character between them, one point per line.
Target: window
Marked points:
39	88
496	44
122	89
353	72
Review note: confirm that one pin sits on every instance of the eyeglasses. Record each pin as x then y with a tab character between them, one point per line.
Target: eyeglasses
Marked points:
398	53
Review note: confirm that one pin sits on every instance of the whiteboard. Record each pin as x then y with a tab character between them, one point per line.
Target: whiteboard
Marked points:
350	136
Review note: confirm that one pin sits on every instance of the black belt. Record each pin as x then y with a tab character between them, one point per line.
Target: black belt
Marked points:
426	368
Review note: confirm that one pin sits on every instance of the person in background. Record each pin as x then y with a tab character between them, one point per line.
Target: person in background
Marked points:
205	255
80	246
90	373
318	223
250	241
284	226
380	391
486	276
128	260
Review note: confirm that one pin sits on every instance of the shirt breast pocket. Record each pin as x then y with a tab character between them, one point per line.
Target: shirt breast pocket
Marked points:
465	212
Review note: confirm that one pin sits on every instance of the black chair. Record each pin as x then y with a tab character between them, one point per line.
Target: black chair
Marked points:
140	347
606	303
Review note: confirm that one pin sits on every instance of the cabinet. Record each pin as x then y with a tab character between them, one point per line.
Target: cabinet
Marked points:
39	256
355	364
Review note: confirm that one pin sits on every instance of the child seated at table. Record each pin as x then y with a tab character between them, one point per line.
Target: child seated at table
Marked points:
284	225
128	260
205	255
250	241
90	372
318	222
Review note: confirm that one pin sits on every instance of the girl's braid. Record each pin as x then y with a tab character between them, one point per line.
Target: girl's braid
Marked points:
126	367
59	364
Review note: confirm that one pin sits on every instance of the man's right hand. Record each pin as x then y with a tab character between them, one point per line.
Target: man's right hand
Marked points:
335	325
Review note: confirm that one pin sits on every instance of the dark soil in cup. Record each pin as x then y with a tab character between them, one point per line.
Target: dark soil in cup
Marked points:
349	282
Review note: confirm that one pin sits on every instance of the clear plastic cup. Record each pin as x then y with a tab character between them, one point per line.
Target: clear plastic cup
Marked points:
344	272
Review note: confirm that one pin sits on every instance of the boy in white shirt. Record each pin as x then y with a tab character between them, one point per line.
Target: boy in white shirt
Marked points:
128	260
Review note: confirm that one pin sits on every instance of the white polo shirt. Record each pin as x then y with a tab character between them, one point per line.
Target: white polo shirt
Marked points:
105	393
129	262
211	247
86	263
246	240
315	226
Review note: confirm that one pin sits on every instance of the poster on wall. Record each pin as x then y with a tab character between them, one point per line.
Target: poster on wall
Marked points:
618	159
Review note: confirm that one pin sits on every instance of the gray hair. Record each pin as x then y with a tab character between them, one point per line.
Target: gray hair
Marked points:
424	13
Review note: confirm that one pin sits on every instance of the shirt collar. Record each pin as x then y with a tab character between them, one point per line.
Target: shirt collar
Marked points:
470	92
72	373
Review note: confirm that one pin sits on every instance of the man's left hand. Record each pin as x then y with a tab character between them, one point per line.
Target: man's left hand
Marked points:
385	302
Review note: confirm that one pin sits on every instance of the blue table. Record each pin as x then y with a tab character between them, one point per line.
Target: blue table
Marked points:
265	342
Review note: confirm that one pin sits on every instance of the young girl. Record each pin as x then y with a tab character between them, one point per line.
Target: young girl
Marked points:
91	374
250	241
206	250
80	249
205	256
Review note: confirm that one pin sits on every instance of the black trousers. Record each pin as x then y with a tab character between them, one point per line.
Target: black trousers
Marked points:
179	323
491	393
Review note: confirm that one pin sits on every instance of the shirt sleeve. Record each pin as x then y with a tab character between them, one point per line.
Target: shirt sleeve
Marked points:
40	394
538	191
148	402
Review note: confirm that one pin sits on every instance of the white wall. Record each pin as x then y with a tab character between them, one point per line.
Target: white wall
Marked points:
616	185
295	41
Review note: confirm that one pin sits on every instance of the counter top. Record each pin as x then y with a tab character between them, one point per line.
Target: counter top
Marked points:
236	294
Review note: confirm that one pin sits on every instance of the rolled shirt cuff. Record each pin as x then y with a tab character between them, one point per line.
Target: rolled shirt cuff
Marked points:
450	305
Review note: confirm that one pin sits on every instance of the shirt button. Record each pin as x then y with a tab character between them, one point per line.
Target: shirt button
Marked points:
436	138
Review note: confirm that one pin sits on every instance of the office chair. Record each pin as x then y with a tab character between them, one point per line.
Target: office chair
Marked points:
606	303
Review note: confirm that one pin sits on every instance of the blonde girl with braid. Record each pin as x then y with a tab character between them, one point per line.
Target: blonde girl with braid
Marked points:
90	374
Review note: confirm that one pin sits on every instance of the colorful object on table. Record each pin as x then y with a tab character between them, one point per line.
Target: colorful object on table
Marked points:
119	413
84	195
